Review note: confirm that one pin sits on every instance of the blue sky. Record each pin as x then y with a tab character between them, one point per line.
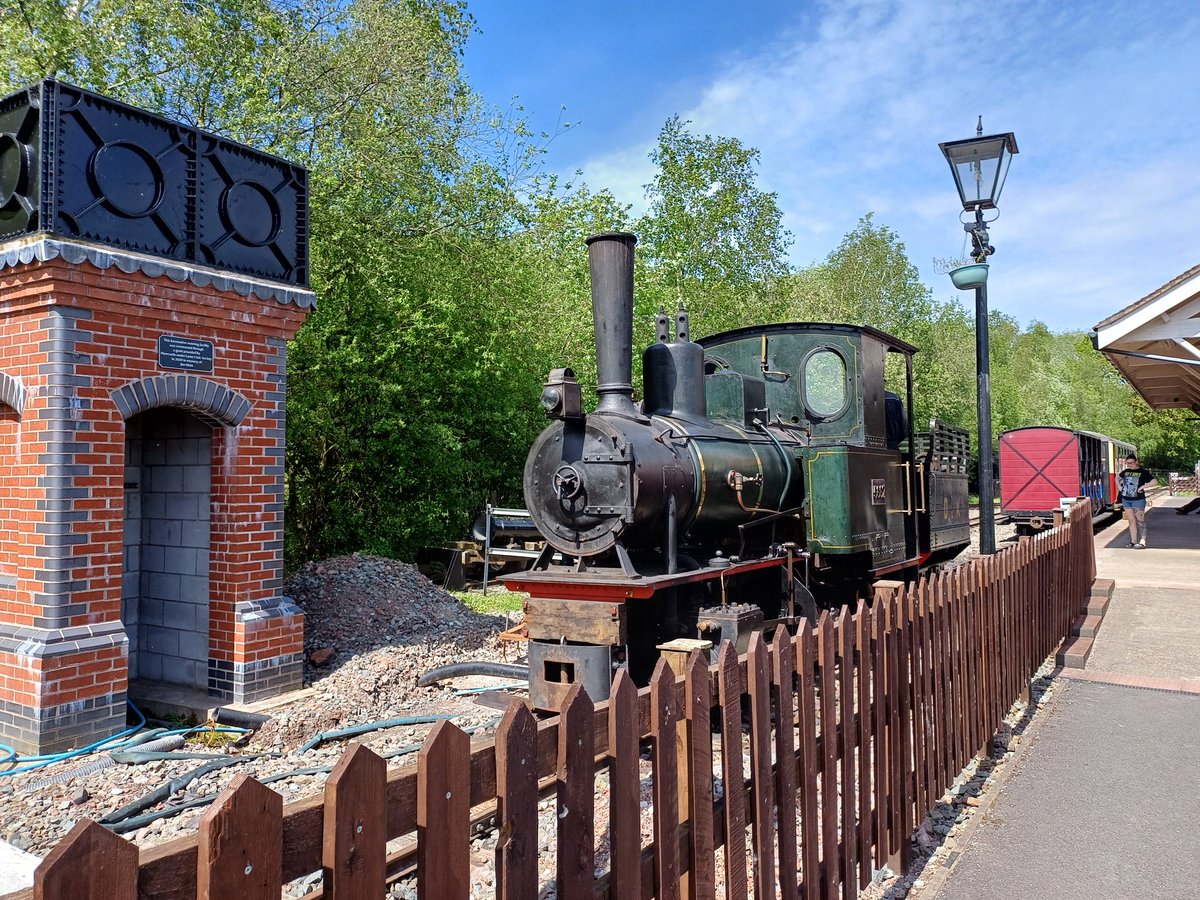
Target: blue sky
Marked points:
847	101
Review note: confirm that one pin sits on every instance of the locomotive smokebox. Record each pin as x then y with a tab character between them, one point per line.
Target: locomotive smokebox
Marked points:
610	258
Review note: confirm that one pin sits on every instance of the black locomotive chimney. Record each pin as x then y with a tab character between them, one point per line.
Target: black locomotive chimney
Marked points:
610	257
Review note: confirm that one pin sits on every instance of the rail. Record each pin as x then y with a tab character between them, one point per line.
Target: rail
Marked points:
881	708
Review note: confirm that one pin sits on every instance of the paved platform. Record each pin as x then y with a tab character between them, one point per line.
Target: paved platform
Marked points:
1105	801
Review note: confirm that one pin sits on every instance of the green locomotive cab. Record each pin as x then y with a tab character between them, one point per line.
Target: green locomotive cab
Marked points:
868	478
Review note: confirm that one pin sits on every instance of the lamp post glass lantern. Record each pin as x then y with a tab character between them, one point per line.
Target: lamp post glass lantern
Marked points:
980	165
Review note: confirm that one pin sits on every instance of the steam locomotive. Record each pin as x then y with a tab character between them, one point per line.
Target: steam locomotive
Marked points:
766	473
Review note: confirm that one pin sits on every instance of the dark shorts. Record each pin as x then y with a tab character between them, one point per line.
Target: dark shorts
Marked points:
1139	503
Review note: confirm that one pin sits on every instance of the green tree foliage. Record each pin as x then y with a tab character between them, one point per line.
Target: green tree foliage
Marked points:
409	399
711	240
868	279
556	320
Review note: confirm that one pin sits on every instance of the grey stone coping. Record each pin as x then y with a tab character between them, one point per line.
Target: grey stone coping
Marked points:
40	643
259	610
43	249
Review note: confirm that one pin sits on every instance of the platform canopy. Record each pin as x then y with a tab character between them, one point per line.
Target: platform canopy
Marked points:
1155	343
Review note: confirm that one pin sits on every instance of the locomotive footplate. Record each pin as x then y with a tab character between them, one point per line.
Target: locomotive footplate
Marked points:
564	583
585	625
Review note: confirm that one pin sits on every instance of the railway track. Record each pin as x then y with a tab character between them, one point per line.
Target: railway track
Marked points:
1099	522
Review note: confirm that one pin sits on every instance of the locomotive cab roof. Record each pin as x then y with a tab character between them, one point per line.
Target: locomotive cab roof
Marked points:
891	342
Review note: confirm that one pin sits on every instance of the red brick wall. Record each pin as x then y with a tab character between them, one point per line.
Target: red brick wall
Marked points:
115	321
20	337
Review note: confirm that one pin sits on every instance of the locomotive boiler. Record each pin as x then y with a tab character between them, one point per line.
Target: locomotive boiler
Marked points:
766	472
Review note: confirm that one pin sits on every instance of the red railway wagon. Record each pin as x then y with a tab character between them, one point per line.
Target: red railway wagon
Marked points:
1041	464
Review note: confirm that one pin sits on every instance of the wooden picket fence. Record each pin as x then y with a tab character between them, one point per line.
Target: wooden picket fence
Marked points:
855	730
1184	484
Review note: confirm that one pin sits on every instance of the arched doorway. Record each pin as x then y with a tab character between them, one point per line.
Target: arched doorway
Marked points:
165	580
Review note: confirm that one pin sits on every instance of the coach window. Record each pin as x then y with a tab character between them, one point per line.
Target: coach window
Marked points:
825	393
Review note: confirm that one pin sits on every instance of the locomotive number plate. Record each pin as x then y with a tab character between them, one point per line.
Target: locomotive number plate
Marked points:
878	492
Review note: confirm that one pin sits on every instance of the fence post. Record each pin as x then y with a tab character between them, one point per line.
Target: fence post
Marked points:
904	771
576	796
90	863
624	821
829	790
732	774
845	650
1025	615
862	639
879	716
806	715
516	804
925	743
665	769
759	681
782	680
702	883
443	814
240	853
355	841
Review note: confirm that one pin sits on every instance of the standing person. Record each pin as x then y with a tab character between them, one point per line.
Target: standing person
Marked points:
1131	485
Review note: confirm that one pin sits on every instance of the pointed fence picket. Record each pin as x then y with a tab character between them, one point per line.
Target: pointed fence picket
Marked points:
355	846
831	746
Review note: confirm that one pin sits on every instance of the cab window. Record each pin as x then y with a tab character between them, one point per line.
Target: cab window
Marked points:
825	392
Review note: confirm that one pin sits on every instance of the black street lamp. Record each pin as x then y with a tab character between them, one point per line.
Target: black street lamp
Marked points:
980	165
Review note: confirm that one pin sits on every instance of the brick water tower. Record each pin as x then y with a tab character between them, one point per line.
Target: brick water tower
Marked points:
150	277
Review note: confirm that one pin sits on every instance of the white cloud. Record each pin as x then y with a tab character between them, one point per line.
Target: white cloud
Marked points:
625	173
1083	254
847	108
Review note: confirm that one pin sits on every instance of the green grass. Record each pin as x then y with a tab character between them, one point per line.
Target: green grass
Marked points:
212	738
495	602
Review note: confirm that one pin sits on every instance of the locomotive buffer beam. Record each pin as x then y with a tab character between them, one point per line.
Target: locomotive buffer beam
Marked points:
614	585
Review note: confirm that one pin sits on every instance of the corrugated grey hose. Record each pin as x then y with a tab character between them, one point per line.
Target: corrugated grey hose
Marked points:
170	742
472	667
133	824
